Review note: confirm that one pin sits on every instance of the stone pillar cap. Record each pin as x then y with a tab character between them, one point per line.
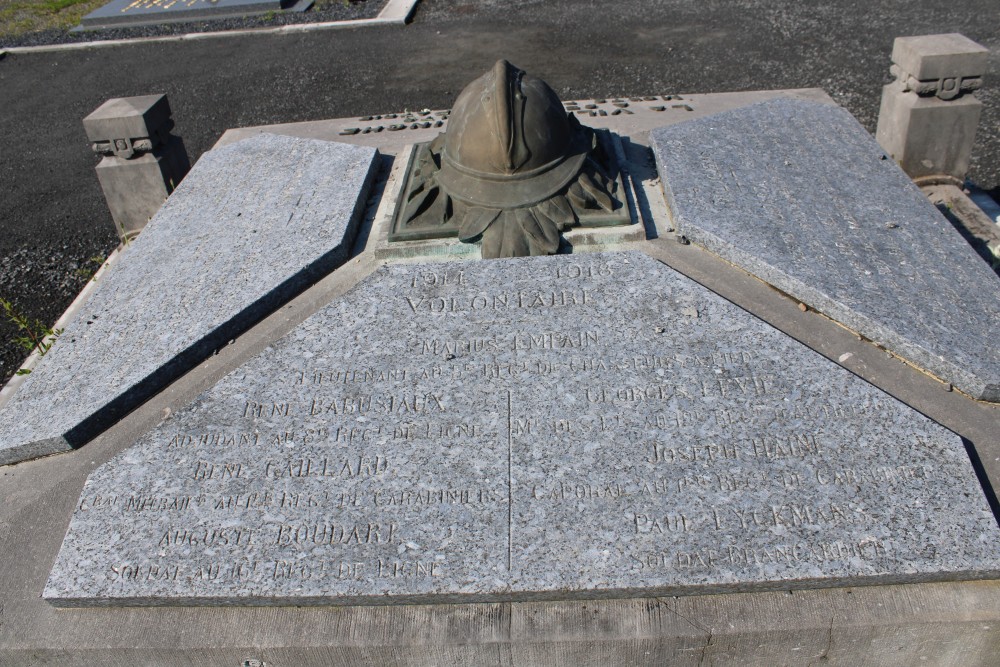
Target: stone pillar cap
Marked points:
934	57
128	118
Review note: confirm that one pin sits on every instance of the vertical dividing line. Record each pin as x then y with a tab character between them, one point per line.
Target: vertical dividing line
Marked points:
510	484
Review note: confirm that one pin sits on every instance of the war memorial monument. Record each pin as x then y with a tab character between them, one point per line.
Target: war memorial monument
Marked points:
699	379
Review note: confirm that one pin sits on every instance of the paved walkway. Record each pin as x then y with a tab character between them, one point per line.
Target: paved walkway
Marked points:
52	214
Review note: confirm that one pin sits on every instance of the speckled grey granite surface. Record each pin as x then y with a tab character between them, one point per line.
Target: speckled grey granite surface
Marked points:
800	195
554	427
250	226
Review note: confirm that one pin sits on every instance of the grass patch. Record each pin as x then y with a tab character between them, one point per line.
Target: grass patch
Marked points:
18	17
34	335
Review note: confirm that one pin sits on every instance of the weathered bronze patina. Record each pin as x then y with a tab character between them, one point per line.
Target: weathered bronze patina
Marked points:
513	170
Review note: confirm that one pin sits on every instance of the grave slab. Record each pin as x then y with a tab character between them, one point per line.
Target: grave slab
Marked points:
541	428
147	12
799	195
233	243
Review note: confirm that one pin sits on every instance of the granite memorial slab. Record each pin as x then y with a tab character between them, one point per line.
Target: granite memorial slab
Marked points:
536	428
146	12
801	196
252	224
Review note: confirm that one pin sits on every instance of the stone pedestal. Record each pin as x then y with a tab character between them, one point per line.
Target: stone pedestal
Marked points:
142	163
928	118
530	448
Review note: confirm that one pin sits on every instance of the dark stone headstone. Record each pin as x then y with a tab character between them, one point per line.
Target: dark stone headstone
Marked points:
145	12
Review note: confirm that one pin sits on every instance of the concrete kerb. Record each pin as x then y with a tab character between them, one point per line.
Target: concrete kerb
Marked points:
395	12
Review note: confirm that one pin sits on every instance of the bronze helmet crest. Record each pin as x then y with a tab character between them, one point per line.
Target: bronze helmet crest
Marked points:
509	142
512	168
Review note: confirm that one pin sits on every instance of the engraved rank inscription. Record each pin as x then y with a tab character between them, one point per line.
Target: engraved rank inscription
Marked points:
548	427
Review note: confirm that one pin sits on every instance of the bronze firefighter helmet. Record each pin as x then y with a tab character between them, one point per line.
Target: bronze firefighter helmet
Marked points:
510	142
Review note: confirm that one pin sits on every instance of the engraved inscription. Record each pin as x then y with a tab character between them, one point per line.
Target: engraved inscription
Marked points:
503	301
480	438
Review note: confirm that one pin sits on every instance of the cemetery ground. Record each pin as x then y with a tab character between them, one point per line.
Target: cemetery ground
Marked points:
55	227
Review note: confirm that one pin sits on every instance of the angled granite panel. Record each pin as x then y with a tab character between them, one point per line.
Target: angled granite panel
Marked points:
800	195
540	428
250	226
152	12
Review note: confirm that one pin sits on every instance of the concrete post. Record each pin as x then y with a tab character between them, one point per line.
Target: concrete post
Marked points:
142	162
928	118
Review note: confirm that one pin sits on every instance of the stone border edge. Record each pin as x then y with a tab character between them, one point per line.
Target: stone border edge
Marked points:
395	12
7	390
